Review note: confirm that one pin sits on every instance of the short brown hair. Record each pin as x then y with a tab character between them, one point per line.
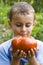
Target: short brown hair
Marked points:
21	7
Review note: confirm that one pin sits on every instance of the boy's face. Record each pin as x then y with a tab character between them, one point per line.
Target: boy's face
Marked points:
22	24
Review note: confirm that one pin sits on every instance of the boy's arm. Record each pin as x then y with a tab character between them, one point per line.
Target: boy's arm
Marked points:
16	57
33	61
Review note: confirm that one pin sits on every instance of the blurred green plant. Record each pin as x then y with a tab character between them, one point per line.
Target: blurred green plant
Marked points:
3	14
38	29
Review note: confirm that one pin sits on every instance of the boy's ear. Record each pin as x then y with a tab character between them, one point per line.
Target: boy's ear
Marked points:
9	22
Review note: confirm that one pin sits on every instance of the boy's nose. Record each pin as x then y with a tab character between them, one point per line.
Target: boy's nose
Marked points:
23	28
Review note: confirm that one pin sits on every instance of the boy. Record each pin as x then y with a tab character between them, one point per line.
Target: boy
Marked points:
21	20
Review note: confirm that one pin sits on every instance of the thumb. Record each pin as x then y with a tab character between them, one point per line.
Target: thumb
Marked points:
11	51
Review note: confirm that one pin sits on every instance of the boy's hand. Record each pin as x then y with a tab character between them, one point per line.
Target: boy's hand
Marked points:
20	54
31	53
31	57
16	55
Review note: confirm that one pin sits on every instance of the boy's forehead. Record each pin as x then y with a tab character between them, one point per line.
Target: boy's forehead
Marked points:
23	19
23	16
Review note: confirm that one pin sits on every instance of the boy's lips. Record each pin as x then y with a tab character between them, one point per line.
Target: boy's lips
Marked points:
23	34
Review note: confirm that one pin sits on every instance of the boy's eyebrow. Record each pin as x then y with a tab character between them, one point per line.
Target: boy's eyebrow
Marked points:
22	23
28	23
17	22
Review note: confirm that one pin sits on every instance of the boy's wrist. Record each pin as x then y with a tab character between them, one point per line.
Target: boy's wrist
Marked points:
15	62
33	61
31	58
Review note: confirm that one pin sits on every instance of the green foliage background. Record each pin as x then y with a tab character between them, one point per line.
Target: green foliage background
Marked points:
5	31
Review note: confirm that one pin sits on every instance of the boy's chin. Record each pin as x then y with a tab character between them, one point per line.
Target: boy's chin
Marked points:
22	35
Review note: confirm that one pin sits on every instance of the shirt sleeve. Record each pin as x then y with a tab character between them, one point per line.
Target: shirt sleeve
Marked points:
4	60
39	55
4	53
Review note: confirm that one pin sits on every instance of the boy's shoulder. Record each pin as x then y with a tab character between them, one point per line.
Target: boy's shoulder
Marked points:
6	43
4	52
5	47
39	44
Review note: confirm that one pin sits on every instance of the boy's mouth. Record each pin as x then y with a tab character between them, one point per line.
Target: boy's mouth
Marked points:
23	34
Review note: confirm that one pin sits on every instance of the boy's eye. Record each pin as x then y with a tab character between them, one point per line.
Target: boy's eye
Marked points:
28	25
18	25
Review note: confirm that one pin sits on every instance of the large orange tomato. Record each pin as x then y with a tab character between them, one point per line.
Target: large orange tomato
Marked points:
24	43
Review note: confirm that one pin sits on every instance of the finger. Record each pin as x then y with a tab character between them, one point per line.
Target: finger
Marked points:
11	50
36	50
29	54
22	54
32	52
21	51
15	54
